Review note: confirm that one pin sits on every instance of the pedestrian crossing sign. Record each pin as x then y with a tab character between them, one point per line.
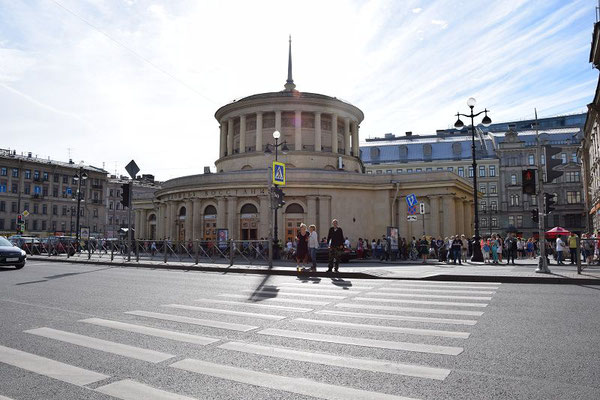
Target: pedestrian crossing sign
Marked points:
278	173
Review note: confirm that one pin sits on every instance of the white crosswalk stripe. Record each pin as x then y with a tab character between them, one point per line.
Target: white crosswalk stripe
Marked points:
50	368
419	290
437	303
254	305
358	341
446	285
146	330
300	386
132	390
5	398
102	345
329	286
312	290
398	317
226	312
382	328
194	321
270	298
444	311
388	367
430	296
269	292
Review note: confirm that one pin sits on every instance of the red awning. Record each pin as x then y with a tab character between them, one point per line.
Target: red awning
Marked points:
557	231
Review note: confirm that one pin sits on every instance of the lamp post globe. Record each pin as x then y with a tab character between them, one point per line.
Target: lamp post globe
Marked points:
471	102
276	135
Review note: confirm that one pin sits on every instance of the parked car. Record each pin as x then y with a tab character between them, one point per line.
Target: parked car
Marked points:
323	254
31	244
62	245
11	254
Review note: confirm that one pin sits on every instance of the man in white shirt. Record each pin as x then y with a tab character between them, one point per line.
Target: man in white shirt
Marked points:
560	247
313	245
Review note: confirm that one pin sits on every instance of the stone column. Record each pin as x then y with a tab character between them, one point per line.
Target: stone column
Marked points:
334	141
221	213
324	216
196	233
143	230
259	124
355	145
189	215
434	210
298	130
403	230
160	221
312	210
264	217
317	131
278	122
449	216
460	218
232	217
230	136
243	134
468	213
223	140
136	224
347	136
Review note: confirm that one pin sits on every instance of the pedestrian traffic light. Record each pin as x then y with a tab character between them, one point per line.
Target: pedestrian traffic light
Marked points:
125	195
279	196
549	201
535	215
551	163
529	181
19	224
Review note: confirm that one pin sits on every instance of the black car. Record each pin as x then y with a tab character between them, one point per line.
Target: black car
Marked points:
323	254
11	254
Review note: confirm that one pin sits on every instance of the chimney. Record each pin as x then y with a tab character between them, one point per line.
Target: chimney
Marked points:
29	155
207	170
409	133
71	161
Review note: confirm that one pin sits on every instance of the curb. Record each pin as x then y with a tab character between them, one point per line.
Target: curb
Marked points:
554	280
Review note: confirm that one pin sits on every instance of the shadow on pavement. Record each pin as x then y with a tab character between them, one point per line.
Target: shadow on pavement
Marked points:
59	276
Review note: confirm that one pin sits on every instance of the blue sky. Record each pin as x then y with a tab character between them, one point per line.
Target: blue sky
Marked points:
122	79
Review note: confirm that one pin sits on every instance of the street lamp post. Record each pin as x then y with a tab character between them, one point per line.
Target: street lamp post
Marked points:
284	150
79	176
486	121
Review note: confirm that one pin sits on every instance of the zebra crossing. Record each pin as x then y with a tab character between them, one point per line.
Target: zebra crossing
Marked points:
407	320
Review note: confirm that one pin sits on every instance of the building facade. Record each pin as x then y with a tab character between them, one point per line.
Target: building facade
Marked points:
47	190
325	179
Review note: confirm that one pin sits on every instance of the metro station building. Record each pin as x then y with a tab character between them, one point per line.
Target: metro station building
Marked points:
326	179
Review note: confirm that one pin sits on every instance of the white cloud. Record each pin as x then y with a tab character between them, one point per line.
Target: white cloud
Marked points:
152	95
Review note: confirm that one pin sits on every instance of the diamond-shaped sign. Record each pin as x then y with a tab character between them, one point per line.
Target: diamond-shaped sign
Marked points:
132	169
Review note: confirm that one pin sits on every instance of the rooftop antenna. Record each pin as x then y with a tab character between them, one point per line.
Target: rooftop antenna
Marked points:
289	84
69	151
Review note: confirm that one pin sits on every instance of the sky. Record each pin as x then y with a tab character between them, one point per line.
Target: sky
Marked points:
108	81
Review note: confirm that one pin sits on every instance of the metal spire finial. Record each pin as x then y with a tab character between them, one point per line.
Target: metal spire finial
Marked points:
289	84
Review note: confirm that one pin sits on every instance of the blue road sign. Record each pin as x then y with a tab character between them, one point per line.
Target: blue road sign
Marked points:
411	200
278	173
69	191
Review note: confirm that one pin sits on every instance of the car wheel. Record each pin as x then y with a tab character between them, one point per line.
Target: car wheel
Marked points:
19	266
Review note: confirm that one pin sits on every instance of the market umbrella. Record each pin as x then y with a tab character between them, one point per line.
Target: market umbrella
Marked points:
557	231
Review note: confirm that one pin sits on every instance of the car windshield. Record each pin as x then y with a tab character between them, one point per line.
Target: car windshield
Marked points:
5	242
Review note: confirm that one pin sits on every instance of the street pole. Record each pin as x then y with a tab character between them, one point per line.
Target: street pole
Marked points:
80	178
542	264
129	221
275	233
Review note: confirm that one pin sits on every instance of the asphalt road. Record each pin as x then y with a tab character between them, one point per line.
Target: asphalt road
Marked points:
95	332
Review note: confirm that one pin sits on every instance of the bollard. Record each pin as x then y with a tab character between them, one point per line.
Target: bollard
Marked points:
137	251
197	252
112	250
270	247
578	251
89	246
165	249
231	244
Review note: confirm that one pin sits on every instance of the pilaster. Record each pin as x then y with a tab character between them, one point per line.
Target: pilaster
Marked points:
324	215
449	216
311	218
230	136
317	131
259	124
347	136
334	134
298	130
434	210
221	213
196	220
278	120
243	134
265	217
355	145
232	217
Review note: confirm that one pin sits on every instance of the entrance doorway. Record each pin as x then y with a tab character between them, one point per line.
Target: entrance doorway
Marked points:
181	224
152	224
249	222
210	223
294	216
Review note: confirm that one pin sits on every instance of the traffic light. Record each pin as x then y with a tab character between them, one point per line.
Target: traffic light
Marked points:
535	215
125	195
279	196
529	181
551	163
549	202
20	224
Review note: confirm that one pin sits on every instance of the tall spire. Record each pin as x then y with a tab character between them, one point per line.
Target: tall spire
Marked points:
289	84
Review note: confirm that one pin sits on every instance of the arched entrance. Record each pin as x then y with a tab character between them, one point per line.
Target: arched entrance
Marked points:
294	216
181	224
248	222
210	223
152	226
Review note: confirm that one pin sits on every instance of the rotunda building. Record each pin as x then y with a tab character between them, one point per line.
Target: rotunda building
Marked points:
325	179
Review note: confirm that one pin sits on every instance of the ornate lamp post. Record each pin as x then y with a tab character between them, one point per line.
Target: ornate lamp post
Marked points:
284	150
486	121
79	177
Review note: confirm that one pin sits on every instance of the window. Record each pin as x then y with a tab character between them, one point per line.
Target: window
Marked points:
95	213
572	176
44	225
368	173
55	191
45	176
55	178
482	170
3	171
110	205
470	172
484	222
531	159
13	207
26	206
574	158
573	197
543	159
27	189
35	224
418	170
428	169
440	168
111	193
563	158
36	175
388	171
2	206
27	174
494	206
44	209
482	189
494	222
511	220
118	206
1	224
409	170
55	210
110	221
513	179
378	172
45	191
492	170
15	188
492	189
399	171
461	171
65	179
514	200
15	172
450	169
519	220
3	187
64	210
483	206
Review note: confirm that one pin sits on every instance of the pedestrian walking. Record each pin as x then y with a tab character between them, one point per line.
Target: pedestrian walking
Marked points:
573	247
560	247
424	248
494	244
313	245
335	238
485	250
511	249
302	247
456	247
464	248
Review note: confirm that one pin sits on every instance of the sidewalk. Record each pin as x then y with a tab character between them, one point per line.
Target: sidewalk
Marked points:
522	272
